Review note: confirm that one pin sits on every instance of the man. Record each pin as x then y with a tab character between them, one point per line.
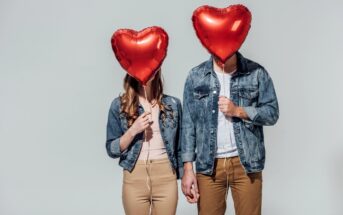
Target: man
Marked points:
224	111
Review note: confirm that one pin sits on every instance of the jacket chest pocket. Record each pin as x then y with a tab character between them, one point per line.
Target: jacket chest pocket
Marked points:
201	92
248	96
201	95
201	99
198	95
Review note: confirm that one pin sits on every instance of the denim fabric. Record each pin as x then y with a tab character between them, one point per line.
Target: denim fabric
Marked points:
251	88
170	132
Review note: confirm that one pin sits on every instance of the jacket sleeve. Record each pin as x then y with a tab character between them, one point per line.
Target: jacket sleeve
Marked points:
114	132
266	111
178	141
188	127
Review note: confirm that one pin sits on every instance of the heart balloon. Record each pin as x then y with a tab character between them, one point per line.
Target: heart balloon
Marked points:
222	31
140	53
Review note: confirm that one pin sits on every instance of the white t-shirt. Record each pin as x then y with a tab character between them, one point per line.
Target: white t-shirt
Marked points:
226	143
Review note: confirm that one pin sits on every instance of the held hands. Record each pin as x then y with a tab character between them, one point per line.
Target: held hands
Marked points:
140	124
190	186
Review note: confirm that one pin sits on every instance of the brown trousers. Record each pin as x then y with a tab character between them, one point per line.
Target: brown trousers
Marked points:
160	191
246	189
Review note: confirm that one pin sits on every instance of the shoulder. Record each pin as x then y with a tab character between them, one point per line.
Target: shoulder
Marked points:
197	73
257	69
115	105
252	65
172	102
199	69
171	99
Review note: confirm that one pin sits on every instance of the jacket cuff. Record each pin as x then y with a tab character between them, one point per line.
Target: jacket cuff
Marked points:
180	172
115	148
188	157
251	112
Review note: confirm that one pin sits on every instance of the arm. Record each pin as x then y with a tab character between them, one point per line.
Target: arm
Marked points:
178	141
188	127
266	111
117	141
114	132
189	181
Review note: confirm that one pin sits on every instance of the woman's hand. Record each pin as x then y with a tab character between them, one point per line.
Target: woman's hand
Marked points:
140	124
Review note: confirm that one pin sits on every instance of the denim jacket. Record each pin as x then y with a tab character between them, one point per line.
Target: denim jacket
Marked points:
251	88
170	132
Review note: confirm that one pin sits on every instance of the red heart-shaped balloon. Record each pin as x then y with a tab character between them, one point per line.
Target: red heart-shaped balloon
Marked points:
222	31
140	53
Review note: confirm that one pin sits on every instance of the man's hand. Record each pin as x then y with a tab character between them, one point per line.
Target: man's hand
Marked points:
189	184
229	109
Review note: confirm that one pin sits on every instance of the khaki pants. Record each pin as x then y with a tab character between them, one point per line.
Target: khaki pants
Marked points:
163	189
246	189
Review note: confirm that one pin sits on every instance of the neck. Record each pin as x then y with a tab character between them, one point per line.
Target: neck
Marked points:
230	64
145	93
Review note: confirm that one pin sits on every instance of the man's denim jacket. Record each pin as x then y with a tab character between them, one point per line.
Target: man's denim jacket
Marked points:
170	132
251	88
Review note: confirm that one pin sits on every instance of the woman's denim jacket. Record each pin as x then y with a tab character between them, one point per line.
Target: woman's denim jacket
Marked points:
251	88
170	132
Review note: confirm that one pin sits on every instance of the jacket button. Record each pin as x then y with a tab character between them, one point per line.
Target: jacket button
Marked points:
213	111
214	92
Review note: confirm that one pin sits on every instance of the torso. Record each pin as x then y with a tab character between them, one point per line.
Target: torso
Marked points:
153	146
226	144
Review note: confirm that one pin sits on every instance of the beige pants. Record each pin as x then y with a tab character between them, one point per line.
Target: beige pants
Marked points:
246	189
162	190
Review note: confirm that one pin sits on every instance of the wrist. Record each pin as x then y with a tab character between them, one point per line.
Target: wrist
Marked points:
238	112
241	113
188	167
131	132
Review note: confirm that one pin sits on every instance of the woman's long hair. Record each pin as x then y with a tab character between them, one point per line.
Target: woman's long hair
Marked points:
129	99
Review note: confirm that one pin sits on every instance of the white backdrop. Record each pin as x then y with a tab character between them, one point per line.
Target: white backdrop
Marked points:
58	76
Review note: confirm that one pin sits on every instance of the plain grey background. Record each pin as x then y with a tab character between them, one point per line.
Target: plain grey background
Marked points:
58	76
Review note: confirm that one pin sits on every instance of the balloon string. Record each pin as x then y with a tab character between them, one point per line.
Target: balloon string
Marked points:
223	76
147	164
226	128
146	98
224	94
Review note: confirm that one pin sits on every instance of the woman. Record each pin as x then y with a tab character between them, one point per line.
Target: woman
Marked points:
143	131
